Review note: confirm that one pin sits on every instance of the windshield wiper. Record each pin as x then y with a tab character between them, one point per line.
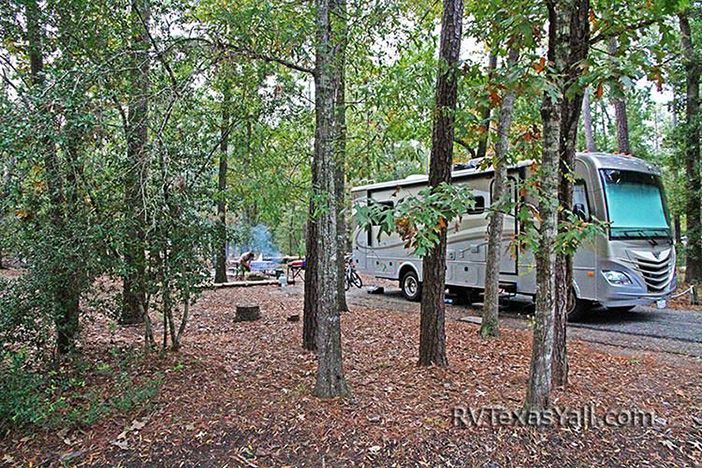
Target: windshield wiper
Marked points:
642	233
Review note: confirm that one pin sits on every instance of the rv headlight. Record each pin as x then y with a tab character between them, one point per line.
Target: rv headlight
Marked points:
617	278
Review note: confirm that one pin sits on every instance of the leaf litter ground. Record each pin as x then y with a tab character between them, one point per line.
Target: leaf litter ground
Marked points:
239	393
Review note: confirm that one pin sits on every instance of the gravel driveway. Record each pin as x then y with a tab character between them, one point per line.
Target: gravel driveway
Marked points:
644	328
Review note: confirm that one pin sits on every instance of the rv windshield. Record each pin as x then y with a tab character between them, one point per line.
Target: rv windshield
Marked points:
635	204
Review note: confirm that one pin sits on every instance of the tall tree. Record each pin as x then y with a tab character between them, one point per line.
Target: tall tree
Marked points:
619	105
539	387
578	47
338	17
61	280
221	253
693	68
134	287
490	322
339	13
330	375
432	337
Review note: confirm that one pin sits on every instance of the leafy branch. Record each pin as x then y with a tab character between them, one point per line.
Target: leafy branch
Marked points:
418	219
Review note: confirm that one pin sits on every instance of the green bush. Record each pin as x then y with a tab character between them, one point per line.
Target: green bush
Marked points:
22	400
29	398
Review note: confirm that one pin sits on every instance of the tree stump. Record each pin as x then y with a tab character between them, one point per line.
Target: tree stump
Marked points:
247	313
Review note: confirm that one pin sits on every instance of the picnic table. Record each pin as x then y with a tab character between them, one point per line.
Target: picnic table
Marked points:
295	268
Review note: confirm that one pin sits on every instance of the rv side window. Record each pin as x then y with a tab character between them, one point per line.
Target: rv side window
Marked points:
389	205
479	206
580	204
374	234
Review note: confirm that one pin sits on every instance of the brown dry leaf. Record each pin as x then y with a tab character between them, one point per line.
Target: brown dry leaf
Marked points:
592	16
540	65
137	424
599	92
494	98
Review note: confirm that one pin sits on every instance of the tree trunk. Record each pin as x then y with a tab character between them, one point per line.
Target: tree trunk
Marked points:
539	387
587	123
62	281
309	319
487	111
605	122
693	265
221	256
70	295
134	287
330	375
6	178
578	48
500	196
619	105
432	339
338	12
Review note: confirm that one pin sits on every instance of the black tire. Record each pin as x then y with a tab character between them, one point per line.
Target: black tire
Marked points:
347	283
620	310
356	280
410	286
580	310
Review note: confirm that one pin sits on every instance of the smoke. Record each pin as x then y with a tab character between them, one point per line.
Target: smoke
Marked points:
261	242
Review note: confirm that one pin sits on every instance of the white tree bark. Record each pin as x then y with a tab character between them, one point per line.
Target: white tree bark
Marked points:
539	388
500	197
587	123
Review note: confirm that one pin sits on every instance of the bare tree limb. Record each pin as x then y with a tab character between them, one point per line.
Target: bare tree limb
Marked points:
161	58
465	144
266	58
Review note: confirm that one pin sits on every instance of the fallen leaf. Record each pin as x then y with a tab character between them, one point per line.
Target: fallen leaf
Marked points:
122	444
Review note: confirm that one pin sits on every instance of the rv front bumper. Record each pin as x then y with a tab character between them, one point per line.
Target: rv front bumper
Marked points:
636	293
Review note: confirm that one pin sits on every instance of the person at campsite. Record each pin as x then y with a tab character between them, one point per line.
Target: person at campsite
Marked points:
245	261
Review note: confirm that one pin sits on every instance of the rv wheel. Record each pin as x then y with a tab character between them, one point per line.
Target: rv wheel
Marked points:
579	310
410	285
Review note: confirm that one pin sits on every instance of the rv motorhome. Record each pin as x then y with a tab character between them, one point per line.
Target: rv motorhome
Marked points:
634	263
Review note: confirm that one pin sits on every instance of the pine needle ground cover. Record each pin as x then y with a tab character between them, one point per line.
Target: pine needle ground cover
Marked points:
240	393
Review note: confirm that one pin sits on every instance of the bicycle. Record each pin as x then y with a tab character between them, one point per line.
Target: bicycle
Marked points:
351	276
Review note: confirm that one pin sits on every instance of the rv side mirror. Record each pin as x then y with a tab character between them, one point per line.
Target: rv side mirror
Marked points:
579	210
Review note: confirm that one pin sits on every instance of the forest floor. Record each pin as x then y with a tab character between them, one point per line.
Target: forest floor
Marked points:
239	393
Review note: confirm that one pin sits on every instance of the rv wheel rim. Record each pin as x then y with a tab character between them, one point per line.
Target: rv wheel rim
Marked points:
411	285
